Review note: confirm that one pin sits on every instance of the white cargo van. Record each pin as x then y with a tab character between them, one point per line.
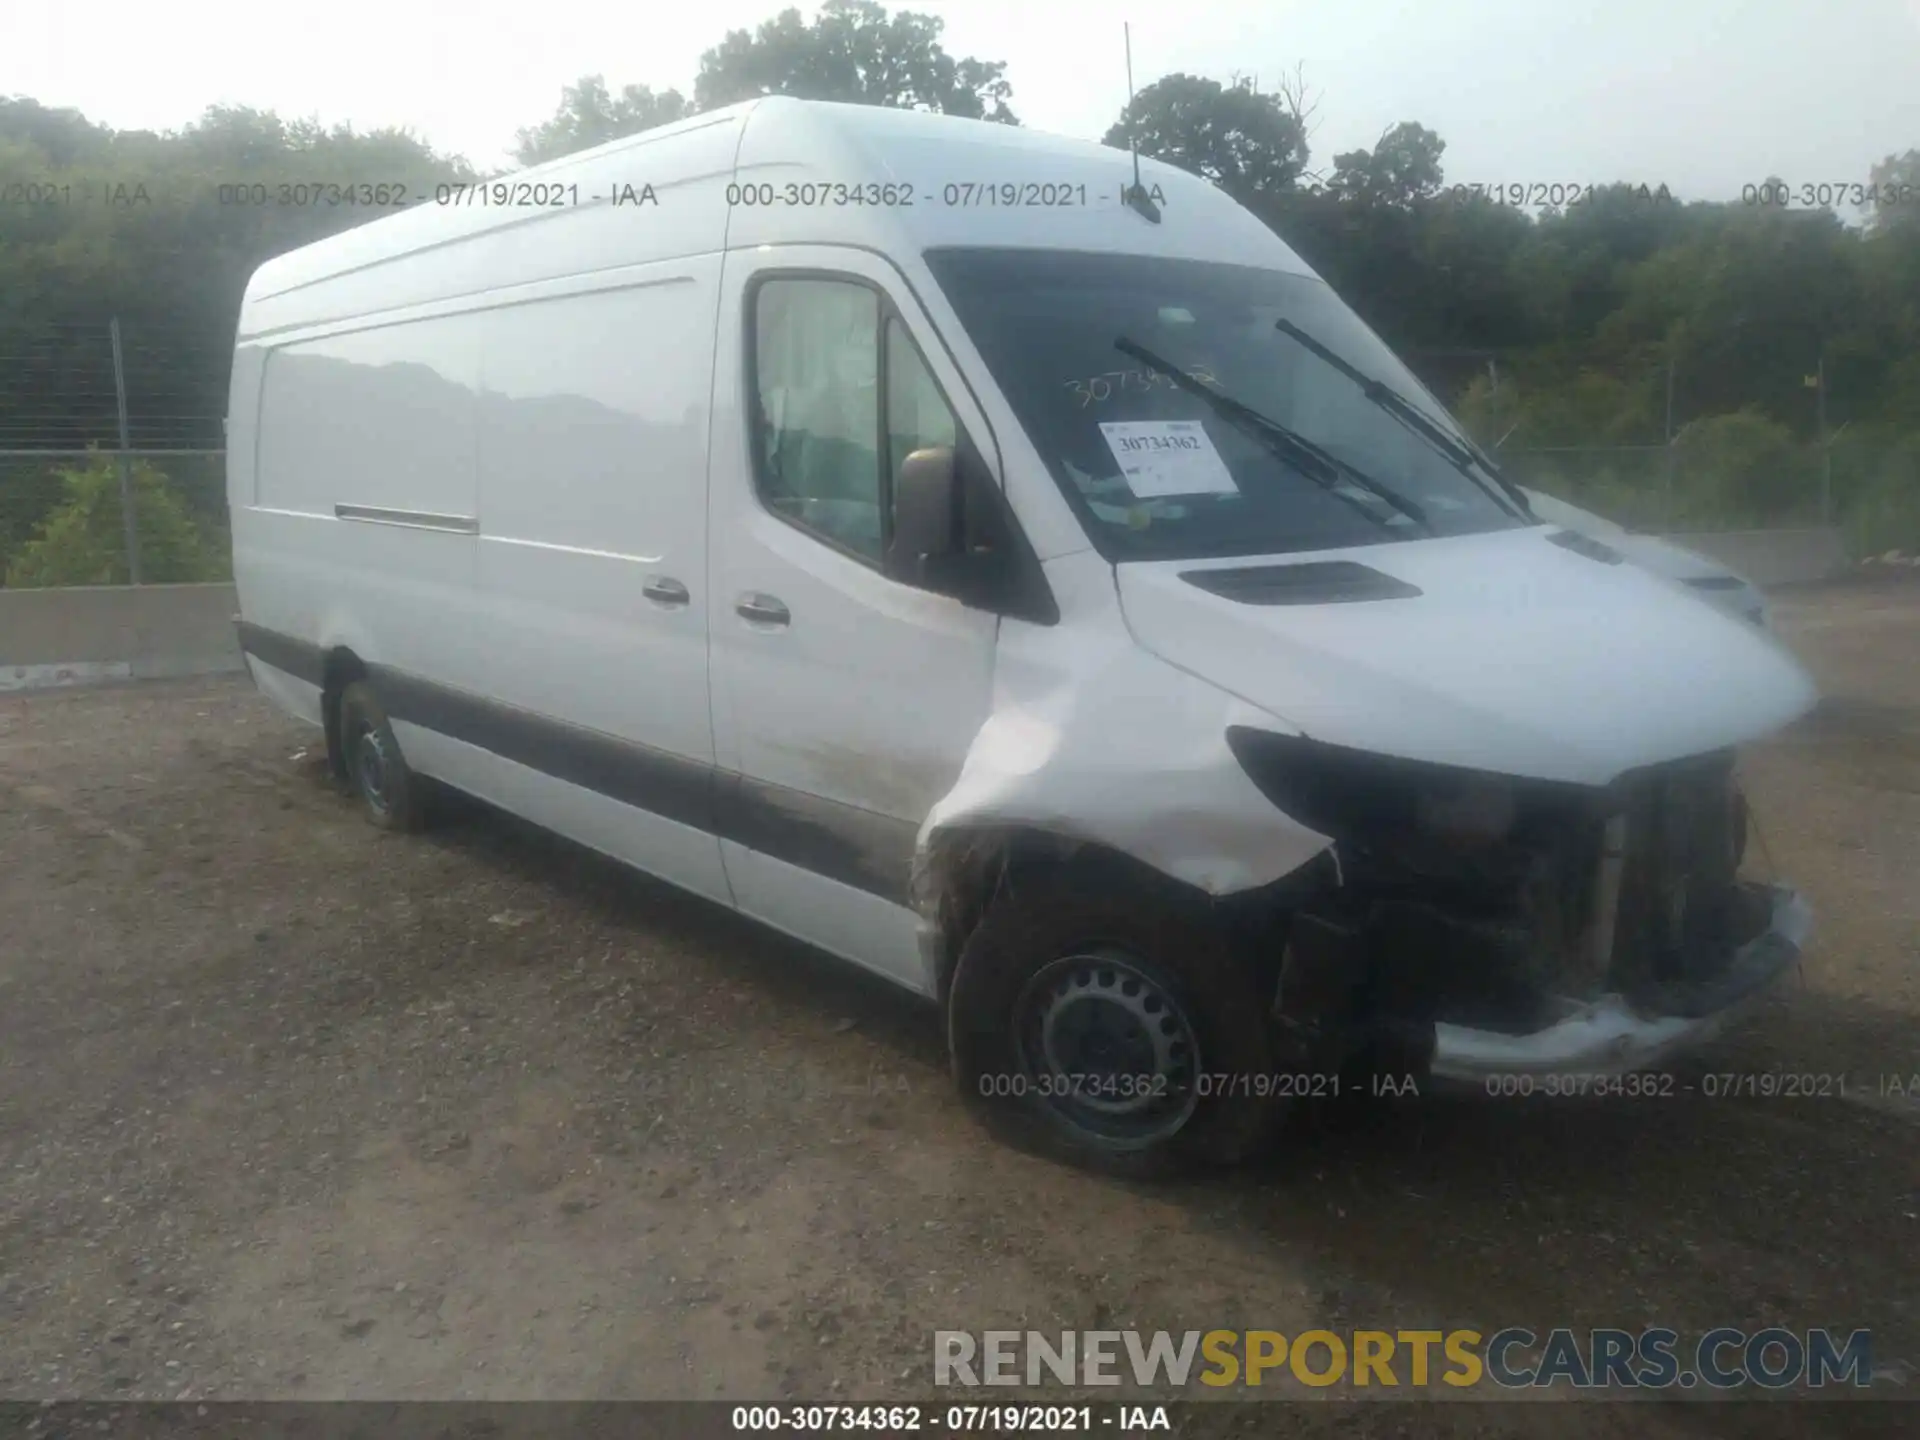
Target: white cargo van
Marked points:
1032	585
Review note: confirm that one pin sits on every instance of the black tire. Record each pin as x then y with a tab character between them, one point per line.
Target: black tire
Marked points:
390	794
1041	949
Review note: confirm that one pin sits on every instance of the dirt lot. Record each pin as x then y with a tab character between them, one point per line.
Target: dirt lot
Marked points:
289	1108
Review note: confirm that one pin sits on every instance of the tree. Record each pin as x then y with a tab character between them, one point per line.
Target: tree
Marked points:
1402	168
1464	249
61	137
589	116
82	541
1372	230
1571	272
1895	182
1253	146
1746	306
853	51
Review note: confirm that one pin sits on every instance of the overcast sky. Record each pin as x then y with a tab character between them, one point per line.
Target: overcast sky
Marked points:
1706	95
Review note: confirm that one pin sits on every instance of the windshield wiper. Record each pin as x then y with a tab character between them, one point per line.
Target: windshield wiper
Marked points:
1320	466
1463	457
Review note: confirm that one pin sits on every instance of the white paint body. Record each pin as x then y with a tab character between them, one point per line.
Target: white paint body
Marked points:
566	386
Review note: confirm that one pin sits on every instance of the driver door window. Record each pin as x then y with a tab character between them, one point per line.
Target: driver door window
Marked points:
816	368
820	354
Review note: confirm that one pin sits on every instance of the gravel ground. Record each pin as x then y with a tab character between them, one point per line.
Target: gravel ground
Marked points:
293	1109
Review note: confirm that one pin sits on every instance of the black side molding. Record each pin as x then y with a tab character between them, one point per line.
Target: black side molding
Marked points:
299	658
861	849
638	775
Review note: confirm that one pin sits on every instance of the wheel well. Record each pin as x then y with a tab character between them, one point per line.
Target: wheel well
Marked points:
962	873
342	668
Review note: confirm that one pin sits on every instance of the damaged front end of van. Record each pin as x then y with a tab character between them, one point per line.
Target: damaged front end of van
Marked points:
1446	875
1345	761
1497	926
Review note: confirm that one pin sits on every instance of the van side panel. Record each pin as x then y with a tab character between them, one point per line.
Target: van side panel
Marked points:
361	534
243	415
380	417
295	690
592	563
301	434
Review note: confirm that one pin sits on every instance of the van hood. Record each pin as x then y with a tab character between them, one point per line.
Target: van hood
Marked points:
1505	652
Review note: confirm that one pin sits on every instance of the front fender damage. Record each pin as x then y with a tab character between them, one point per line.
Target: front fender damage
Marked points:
1109	746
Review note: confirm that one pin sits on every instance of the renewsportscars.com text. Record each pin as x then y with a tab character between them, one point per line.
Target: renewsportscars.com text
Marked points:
1725	1358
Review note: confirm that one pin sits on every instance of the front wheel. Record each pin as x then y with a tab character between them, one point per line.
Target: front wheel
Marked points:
1114	1024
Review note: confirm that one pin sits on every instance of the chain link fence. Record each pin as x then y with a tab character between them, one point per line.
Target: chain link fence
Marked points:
113	517
112	459
1864	483
1629	439
1665	488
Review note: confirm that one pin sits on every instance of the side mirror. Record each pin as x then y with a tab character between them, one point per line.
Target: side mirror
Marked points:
926	512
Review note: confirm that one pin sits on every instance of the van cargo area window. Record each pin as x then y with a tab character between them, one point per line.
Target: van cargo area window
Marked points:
1156	471
837	389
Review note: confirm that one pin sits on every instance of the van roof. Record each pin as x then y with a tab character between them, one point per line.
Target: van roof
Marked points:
836	173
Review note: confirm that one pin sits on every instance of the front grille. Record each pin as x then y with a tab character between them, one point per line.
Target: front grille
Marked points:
1677	921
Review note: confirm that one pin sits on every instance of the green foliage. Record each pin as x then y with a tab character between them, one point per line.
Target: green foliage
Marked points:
161	231
589	116
82	541
1876	482
59	138
1402	169
854	51
1535	407
1746	464
1629	490
1249	144
1896	184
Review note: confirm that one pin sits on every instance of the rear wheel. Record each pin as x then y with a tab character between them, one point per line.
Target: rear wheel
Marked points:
1113	1023
392	796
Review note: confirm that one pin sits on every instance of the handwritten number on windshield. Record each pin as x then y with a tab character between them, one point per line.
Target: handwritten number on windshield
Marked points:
1096	388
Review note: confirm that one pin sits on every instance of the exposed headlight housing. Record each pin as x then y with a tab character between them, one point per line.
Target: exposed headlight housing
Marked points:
1372	800
1475	811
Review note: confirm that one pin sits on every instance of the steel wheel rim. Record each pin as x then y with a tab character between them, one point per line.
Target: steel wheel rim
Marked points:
373	767
1105	1043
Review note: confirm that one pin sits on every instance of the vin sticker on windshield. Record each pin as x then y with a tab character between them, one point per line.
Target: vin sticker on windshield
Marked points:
1167	457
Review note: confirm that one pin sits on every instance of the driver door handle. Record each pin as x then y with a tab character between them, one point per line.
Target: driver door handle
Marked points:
762	609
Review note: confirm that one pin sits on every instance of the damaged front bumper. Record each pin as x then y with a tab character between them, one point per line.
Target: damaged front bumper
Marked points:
1609	1037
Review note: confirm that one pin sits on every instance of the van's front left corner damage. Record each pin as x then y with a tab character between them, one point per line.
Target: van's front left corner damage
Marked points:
1130	760
1464	923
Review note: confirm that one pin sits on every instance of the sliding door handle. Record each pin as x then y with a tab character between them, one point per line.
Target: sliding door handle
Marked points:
665	590
761	609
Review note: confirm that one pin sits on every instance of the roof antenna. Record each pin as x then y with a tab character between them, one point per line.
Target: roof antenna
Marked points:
1135	195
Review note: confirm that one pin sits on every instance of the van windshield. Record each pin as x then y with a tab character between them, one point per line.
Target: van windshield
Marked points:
1157	471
